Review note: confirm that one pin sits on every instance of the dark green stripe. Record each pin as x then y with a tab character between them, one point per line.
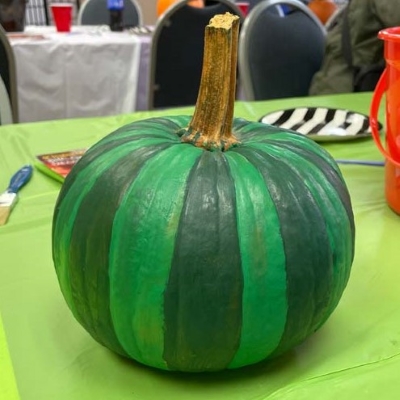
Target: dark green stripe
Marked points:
142	248
330	191
318	159
92	154
203	298
310	150
332	174
162	128
247	130
309	259
298	144
67	208
90	244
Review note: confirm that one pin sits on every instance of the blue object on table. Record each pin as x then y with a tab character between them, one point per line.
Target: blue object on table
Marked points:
116	9
9	197
362	162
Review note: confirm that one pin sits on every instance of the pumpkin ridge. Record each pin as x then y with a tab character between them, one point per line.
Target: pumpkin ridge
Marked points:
264	296
340	203
66	208
298	143
333	175
255	129
94	154
210	313
310	249
328	200
141	252
89	243
158	127
328	167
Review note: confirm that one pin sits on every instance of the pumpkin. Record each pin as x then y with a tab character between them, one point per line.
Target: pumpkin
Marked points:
163	5
207	242
323	9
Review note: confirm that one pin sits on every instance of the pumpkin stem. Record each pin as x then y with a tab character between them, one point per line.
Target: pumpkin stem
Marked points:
211	124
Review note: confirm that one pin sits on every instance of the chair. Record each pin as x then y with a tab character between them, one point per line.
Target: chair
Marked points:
9	80
5	105
278	55
253	3
95	12
37	12
177	52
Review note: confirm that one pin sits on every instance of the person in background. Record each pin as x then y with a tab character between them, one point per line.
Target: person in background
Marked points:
353	59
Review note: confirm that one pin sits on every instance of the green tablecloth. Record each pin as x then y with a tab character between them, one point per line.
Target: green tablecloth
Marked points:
356	354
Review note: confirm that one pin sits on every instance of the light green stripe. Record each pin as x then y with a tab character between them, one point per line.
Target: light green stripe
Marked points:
335	215
142	248
295	140
70	206
263	264
163	127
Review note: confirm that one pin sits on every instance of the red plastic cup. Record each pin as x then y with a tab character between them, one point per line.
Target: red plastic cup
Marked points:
244	7
62	16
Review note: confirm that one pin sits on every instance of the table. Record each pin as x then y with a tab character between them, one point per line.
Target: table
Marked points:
354	356
87	72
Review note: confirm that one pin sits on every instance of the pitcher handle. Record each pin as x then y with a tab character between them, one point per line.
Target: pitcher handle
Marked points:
373	116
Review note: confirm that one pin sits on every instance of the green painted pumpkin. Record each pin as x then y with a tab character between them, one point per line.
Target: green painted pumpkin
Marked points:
200	259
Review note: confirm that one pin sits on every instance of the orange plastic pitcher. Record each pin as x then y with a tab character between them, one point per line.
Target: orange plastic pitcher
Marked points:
389	83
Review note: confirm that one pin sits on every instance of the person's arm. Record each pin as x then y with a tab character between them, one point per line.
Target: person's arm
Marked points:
387	12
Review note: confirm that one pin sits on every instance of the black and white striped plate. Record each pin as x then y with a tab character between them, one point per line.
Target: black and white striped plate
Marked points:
321	123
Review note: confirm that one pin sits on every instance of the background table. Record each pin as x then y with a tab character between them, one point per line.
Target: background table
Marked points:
87	72
354	356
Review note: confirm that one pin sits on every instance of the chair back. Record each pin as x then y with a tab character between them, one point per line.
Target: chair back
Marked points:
37	12
95	12
8	91
177	52
279	54
5	105
253	3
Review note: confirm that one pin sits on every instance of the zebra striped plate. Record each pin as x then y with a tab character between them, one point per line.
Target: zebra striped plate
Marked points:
321	123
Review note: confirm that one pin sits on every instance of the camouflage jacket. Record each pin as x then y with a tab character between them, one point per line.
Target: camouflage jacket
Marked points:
365	19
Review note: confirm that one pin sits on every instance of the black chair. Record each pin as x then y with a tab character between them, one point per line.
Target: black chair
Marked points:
253	3
9	80
95	12
5	105
177	52
279	54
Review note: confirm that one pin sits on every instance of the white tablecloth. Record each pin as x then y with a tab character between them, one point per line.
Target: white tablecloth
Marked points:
87	72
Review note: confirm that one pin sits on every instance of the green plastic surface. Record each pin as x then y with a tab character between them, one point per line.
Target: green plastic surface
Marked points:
8	384
355	355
